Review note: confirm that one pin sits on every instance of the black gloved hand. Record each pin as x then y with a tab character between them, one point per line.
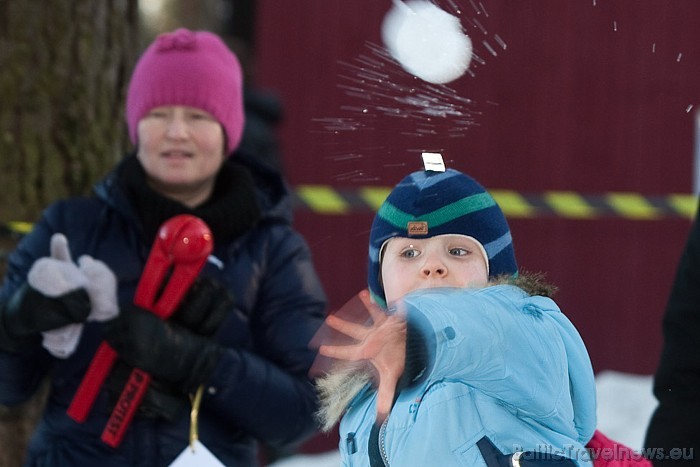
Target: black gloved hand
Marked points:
162	399
204	307
166	350
29	312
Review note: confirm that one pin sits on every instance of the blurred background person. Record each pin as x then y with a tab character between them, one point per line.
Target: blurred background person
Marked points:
243	329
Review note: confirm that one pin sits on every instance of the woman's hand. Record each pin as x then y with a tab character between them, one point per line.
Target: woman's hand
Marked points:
382	343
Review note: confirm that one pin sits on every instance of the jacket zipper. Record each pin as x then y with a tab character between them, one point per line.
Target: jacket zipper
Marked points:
382	443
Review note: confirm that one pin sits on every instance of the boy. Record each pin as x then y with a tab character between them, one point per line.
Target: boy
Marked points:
470	363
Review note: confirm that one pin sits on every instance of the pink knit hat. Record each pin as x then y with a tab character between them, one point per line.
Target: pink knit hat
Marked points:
189	68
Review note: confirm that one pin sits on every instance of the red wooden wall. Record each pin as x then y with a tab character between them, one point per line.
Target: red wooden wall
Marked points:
592	96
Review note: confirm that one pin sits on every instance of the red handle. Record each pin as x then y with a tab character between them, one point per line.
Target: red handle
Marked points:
184	242
90	386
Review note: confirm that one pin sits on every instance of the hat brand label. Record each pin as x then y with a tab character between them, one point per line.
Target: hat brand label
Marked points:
417	228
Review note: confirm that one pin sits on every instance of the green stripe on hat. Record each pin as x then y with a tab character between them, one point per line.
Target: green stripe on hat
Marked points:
461	207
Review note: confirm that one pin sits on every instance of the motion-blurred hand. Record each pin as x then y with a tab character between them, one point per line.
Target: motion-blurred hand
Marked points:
382	344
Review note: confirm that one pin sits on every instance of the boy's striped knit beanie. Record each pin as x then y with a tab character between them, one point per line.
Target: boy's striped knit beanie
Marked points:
426	204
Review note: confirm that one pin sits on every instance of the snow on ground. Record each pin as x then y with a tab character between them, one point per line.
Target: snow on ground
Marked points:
625	405
328	459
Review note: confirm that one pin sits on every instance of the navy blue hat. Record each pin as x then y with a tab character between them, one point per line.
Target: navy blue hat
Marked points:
428	203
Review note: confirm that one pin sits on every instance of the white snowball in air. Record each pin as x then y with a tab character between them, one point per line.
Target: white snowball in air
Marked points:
428	42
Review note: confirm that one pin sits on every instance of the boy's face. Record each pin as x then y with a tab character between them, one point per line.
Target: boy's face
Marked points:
410	264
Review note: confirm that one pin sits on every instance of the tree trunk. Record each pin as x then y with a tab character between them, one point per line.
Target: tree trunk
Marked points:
65	65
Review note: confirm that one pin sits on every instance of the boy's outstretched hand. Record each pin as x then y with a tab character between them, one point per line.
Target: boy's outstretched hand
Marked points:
382	343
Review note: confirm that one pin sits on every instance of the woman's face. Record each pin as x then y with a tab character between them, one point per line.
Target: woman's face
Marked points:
181	149
410	264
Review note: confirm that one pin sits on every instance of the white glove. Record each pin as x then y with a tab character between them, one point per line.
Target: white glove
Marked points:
101	288
57	275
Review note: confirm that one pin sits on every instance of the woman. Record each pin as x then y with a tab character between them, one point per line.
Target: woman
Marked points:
242	330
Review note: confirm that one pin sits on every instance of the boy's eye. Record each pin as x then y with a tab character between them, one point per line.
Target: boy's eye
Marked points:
410	253
459	251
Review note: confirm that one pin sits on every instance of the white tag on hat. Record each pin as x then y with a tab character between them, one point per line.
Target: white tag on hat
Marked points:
196	455
433	161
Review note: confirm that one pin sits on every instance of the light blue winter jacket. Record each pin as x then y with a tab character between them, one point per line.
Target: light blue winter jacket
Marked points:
504	365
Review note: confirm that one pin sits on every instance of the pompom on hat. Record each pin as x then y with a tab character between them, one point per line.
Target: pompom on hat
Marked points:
188	68
429	203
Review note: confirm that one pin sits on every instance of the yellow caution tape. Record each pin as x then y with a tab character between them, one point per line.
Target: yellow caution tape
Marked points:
322	199
512	203
569	204
633	206
328	200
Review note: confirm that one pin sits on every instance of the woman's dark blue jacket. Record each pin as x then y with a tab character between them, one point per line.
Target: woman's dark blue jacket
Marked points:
259	389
